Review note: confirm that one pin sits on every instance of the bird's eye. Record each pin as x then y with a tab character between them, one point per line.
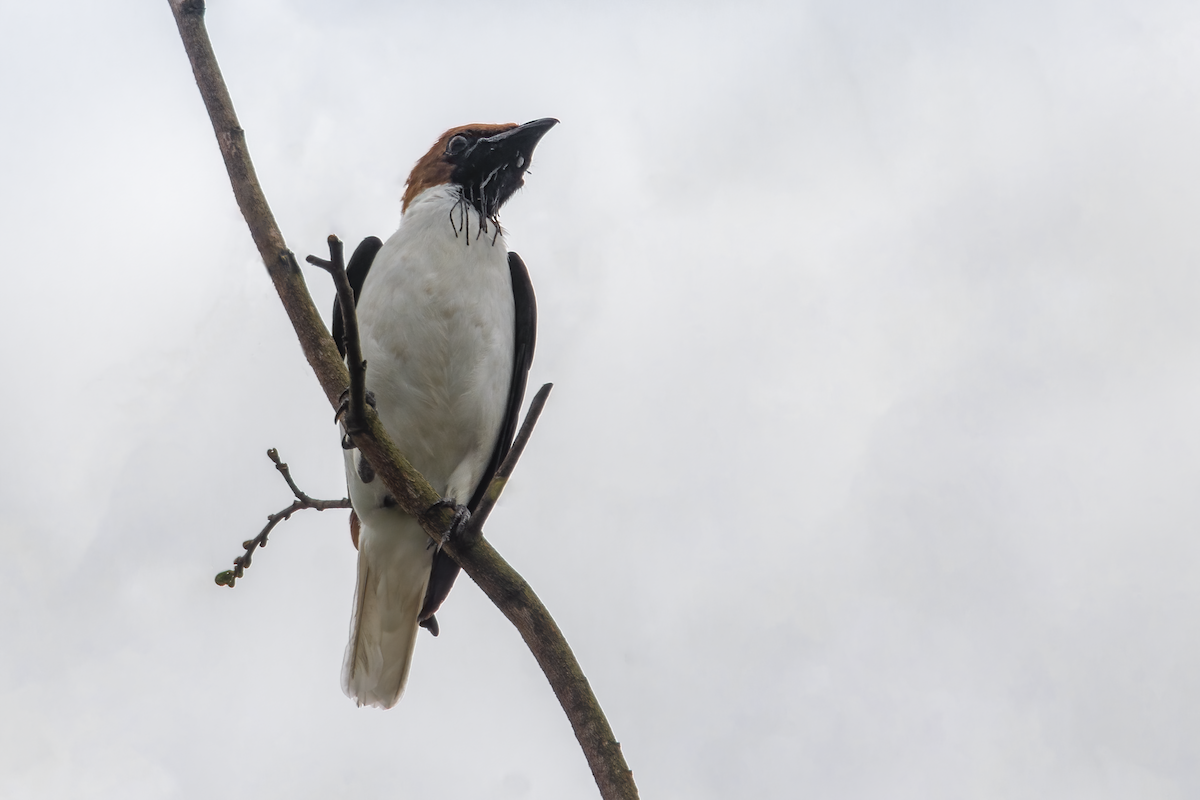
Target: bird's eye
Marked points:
456	145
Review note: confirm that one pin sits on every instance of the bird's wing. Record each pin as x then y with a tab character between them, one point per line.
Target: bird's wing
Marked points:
526	333
445	570
356	271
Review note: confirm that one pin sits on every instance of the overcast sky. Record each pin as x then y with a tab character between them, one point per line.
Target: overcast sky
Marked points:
871	468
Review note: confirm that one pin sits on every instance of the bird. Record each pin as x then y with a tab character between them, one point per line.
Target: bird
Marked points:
447	321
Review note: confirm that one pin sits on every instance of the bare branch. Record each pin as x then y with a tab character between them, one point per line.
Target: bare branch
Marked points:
474	528
302	502
499	581
355	410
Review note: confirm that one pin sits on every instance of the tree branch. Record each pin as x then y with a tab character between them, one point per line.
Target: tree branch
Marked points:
474	528
356	401
499	581
302	502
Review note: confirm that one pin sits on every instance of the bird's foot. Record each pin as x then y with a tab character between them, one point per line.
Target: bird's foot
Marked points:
344	408
344	403
462	517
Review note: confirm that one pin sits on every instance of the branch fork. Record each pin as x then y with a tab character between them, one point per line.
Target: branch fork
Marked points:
302	502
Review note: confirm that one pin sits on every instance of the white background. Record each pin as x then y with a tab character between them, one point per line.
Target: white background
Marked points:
871	468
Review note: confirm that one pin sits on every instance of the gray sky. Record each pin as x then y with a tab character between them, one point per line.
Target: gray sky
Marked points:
871	467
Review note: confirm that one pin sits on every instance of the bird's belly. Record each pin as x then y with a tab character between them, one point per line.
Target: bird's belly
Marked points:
439	350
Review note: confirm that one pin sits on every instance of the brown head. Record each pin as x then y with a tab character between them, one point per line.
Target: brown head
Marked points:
487	161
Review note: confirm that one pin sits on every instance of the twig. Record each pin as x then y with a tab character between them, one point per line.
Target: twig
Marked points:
303	501
356	402
474	529
499	581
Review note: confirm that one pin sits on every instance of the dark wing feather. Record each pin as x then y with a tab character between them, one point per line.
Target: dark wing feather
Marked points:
526	334
444	569
356	271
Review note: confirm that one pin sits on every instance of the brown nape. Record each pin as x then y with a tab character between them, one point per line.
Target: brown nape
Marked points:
433	169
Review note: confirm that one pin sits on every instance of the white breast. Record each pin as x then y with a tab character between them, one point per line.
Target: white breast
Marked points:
436	318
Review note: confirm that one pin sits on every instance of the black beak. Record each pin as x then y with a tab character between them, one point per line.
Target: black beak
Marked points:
494	168
514	147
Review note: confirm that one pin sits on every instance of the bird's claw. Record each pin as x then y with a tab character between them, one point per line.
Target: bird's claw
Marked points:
462	517
343	409
344	403
343	406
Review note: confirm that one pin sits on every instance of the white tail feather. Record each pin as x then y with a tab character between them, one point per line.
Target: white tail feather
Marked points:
393	573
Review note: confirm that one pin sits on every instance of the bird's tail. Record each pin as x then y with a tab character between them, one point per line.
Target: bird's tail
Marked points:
393	573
